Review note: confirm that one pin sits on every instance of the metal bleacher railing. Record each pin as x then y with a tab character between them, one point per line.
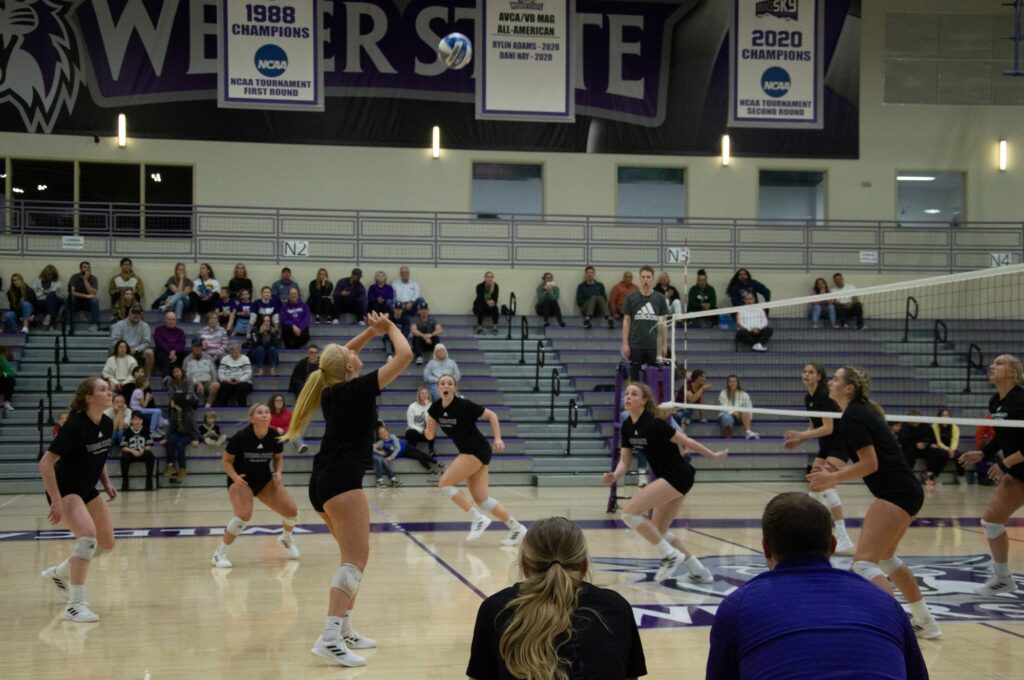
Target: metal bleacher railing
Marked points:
287	234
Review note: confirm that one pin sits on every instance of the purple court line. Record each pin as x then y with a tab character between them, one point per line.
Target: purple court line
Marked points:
1001	630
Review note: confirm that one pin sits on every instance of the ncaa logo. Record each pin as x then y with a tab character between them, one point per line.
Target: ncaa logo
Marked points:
271	61
775	82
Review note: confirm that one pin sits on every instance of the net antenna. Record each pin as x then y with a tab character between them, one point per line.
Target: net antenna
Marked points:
684	259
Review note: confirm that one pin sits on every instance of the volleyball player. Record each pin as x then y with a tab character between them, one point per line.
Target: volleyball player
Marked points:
457	417
70	468
645	426
254	462
1007	374
349	404
829	449
878	460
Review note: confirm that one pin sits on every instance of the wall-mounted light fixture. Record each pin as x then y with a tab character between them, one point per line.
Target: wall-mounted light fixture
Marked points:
122	130
726	150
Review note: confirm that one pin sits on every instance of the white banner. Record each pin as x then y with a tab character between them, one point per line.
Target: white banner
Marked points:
525	49
776	68
269	55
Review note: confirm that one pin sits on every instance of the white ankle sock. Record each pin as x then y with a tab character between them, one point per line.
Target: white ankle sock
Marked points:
665	548
840	525
920	610
1002	569
694	565
64	569
346	622
332	628
77	593
475	514
222	549
513	524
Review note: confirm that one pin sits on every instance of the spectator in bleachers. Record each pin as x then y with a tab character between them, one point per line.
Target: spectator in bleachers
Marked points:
176	382
138	335
592	299
137	447
426	332
141	401
381	466
407	293
266	305
752	327
671	293
393	447
50	294
120	415
176	292
741	283
733	396
209	430
303	368
692	392
202	371
547	300
240	281
22	300
416	420
225	312
181	433
62	418
295	320
215	338
8	378
281	418
264	345
848	305
241	308
350	297
235	374
485	304
84	290
124	305
947	440
205	291
170	343
816	309
643	336
700	298
914	439
321	292
280	288
620	291
117	370
380	296
124	279
440	364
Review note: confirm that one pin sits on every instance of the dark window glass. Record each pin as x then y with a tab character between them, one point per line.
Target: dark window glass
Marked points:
42	193
109	197
168	200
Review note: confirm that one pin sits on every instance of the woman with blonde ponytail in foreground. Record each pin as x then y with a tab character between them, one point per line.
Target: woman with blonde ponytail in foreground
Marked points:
553	625
349	403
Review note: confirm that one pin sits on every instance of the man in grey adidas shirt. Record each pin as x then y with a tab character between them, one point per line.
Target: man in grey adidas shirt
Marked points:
642	334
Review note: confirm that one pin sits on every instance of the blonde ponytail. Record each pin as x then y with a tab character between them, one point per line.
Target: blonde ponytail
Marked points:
333	371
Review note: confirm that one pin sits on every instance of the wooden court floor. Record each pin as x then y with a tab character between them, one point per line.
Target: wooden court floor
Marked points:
166	613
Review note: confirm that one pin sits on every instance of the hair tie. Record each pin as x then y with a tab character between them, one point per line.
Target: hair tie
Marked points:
553	563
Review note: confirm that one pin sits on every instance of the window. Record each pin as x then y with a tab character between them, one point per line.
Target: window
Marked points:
792	196
168	199
109	195
506	189
4	217
42	193
930	199
651	192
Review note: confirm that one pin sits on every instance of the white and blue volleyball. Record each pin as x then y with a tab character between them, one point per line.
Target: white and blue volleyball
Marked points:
456	50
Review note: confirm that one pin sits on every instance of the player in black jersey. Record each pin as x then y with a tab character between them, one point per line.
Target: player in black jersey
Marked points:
457	417
72	465
254	462
829	449
1007	375
645	427
349	404
878	460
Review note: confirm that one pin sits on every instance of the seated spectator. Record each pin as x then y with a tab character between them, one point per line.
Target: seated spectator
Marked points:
777	624
176	382
671	293
50	294
264	344
281	418
752	327
215	338
62	418
123	280
397	317
205	292
553	624
407	294
141	401
280	288
381	467
733	396
209	430
8	378
170	344
944	441
702	298
547	300
303	368
225	310
176	292
241	309
202	371
416	420
121	416
848	305
592	299
426	333
125	302
240	281
84	290
350	297
380	295
620	291
741	283
393	447
22	300
693	393
440	365
295	320
235	374
137	447
816	309
117	370
485	304
181	433
266	305
321	293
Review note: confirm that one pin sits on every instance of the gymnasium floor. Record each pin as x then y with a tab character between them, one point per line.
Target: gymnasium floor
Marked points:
165	613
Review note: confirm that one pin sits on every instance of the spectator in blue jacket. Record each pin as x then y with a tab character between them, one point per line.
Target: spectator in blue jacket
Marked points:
284	284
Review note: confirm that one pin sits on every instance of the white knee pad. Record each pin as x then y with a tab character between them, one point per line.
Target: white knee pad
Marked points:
347	579
992	530
891	565
290	522
85	547
831	498
818	496
236	526
449	491
488	504
868	570
632	521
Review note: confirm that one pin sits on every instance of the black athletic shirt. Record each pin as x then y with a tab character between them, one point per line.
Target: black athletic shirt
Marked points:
654	437
1009	440
820	401
350	422
83	447
860	427
605	648
254	457
458	421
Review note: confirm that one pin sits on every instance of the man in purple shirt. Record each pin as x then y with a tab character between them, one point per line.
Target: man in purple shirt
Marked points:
295	318
805	619
171	345
350	297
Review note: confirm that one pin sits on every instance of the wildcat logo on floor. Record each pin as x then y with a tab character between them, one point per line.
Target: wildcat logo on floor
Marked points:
947	582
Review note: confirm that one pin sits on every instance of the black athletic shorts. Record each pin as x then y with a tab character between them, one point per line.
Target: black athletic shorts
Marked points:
909	497
333	481
682	478
483	455
255	483
71	488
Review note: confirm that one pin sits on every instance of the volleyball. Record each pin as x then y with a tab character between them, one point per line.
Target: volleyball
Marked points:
456	50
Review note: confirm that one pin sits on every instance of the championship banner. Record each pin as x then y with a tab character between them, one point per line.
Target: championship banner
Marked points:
776	70
525	51
270	55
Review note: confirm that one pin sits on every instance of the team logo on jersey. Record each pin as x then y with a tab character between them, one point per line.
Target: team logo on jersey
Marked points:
783	9
646	313
947	583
